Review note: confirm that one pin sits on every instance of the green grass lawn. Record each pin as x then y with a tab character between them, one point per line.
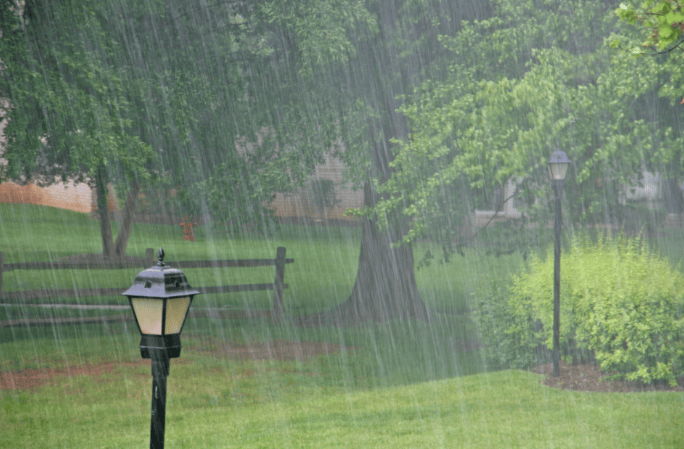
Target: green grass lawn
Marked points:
322	275
399	384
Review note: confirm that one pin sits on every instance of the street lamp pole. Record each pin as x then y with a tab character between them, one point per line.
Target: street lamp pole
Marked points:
558	167
160	299
558	188
160	372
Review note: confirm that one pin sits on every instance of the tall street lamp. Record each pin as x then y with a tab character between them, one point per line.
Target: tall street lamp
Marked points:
160	299
558	167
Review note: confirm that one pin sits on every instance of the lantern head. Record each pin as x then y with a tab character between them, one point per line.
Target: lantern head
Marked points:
558	165
160	298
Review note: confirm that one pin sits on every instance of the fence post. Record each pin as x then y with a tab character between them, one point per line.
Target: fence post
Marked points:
278	283
149	257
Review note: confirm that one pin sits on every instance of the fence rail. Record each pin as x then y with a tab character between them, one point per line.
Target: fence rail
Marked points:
121	265
24	296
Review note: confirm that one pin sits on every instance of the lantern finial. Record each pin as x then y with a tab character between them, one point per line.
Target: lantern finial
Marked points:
160	257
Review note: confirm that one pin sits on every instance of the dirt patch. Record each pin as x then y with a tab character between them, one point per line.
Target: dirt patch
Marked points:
590	378
274	350
572	377
33	378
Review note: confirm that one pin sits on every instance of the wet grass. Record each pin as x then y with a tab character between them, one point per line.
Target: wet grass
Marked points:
321	277
397	385
400	384
403	396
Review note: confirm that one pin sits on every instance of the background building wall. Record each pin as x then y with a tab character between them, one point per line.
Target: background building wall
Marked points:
300	204
65	196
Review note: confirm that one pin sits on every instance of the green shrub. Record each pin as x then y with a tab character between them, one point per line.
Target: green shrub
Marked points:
619	303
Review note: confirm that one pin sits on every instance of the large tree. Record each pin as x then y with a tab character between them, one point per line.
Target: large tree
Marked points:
388	61
245	97
67	111
130	95
654	37
532	79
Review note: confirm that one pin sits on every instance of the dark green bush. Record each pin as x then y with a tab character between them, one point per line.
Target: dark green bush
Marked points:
619	303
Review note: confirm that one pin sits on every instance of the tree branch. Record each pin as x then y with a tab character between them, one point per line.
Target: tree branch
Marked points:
654	53
665	51
496	213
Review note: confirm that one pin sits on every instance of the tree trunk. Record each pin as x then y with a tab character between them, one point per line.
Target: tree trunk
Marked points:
127	220
385	286
103	215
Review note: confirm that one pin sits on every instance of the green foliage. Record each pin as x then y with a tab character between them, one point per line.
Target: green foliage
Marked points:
655	27
66	101
518	89
620	304
508	237
323	30
664	19
235	200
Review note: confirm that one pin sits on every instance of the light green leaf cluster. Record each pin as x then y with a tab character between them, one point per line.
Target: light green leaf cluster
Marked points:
655	27
619	302
662	19
518	90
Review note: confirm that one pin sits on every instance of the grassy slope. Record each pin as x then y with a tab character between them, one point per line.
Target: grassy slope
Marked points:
281	406
322	275
405	384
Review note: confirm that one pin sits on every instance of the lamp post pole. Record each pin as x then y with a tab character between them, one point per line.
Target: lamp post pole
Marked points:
558	168
160	372
558	185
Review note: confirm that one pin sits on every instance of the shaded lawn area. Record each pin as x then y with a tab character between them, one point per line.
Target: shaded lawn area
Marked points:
398	384
321	277
401	384
245	404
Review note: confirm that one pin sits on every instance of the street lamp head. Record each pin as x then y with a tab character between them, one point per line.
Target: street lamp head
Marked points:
558	165
160	298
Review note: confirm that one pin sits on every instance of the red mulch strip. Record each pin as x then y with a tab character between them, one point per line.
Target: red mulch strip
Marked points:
33	378
572	377
274	350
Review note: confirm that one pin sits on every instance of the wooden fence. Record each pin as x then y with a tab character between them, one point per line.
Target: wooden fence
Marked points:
25	296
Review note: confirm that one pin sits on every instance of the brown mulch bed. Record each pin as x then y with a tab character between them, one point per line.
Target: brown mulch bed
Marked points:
274	350
589	377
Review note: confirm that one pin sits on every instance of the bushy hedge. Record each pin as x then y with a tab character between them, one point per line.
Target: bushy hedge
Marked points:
620	304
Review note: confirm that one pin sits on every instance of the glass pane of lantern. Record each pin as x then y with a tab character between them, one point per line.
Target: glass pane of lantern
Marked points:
558	170
175	314
148	312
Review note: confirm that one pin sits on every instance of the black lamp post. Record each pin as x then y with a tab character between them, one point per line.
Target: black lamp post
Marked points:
558	167
160	299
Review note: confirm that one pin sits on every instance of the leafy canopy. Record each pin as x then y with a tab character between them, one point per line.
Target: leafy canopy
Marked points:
519	88
662	19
